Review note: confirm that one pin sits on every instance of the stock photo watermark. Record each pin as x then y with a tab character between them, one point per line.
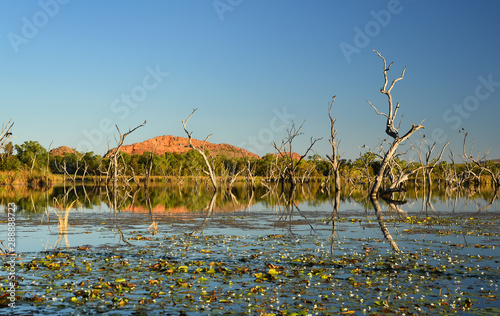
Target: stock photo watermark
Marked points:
224	6
32	25
122	106
11	252
363	36
471	103
265	136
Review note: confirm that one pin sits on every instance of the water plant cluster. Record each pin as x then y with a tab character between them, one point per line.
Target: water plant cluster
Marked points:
446	266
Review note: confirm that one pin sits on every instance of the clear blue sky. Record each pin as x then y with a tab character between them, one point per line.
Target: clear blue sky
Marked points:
71	69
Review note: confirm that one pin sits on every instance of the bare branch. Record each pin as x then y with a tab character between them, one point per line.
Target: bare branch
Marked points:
201	151
115	155
377	110
6	133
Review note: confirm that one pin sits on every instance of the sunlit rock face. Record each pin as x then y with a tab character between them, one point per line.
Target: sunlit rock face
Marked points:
174	144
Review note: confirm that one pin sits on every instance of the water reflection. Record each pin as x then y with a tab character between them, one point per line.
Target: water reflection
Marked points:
383	226
61	209
198	208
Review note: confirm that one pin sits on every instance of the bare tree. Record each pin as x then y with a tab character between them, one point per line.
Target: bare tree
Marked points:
399	172
335	168
335	147
6	133
115	155
284	151
390	129
234	175
201	150
148	169
64	167
480	162
250	171
428	163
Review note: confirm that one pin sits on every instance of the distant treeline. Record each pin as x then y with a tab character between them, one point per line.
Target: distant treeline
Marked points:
31	157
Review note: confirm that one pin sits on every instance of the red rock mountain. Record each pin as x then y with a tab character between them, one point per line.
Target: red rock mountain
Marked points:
60	151
173	144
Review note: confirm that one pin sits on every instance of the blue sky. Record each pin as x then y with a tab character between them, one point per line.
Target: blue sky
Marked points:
71	70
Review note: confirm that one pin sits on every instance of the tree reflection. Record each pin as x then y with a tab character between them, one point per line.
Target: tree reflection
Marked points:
383	227
209	209
61	210
336	204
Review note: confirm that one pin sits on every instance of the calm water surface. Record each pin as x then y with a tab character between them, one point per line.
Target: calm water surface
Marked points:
439	228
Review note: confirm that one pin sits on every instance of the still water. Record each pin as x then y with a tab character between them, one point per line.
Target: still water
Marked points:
443	239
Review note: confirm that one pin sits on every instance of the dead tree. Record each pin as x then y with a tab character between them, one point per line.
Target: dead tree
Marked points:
428	163
399	174
6	133
115	155
390	129
234	176
480	162
250	171
148	168
201	150
335	147
106	172
306	175
64	168
285	152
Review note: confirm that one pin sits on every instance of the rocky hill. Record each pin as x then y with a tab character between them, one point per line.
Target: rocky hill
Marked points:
60	151
174	144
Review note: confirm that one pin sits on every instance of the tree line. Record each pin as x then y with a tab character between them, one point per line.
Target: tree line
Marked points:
31	156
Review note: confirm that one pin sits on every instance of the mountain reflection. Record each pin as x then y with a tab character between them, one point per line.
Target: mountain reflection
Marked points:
191	198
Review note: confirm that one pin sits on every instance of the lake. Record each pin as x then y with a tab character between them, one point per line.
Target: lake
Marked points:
183	250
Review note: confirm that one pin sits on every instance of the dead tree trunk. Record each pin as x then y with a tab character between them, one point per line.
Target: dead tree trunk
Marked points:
250	170
148	169
479	162
335	147
115	155
6	133
285	153
390	129
201	150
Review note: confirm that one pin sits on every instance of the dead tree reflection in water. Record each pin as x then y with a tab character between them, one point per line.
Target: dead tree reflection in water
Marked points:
286	205
209	209
427	201
62	209
492	200
335	229
383	227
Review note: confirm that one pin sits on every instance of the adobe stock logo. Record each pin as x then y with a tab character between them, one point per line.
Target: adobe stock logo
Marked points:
48	10
471	103
123	106
223	6
362	37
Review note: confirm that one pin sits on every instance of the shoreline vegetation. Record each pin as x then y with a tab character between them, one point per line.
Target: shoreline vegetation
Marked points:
38	180
353	173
